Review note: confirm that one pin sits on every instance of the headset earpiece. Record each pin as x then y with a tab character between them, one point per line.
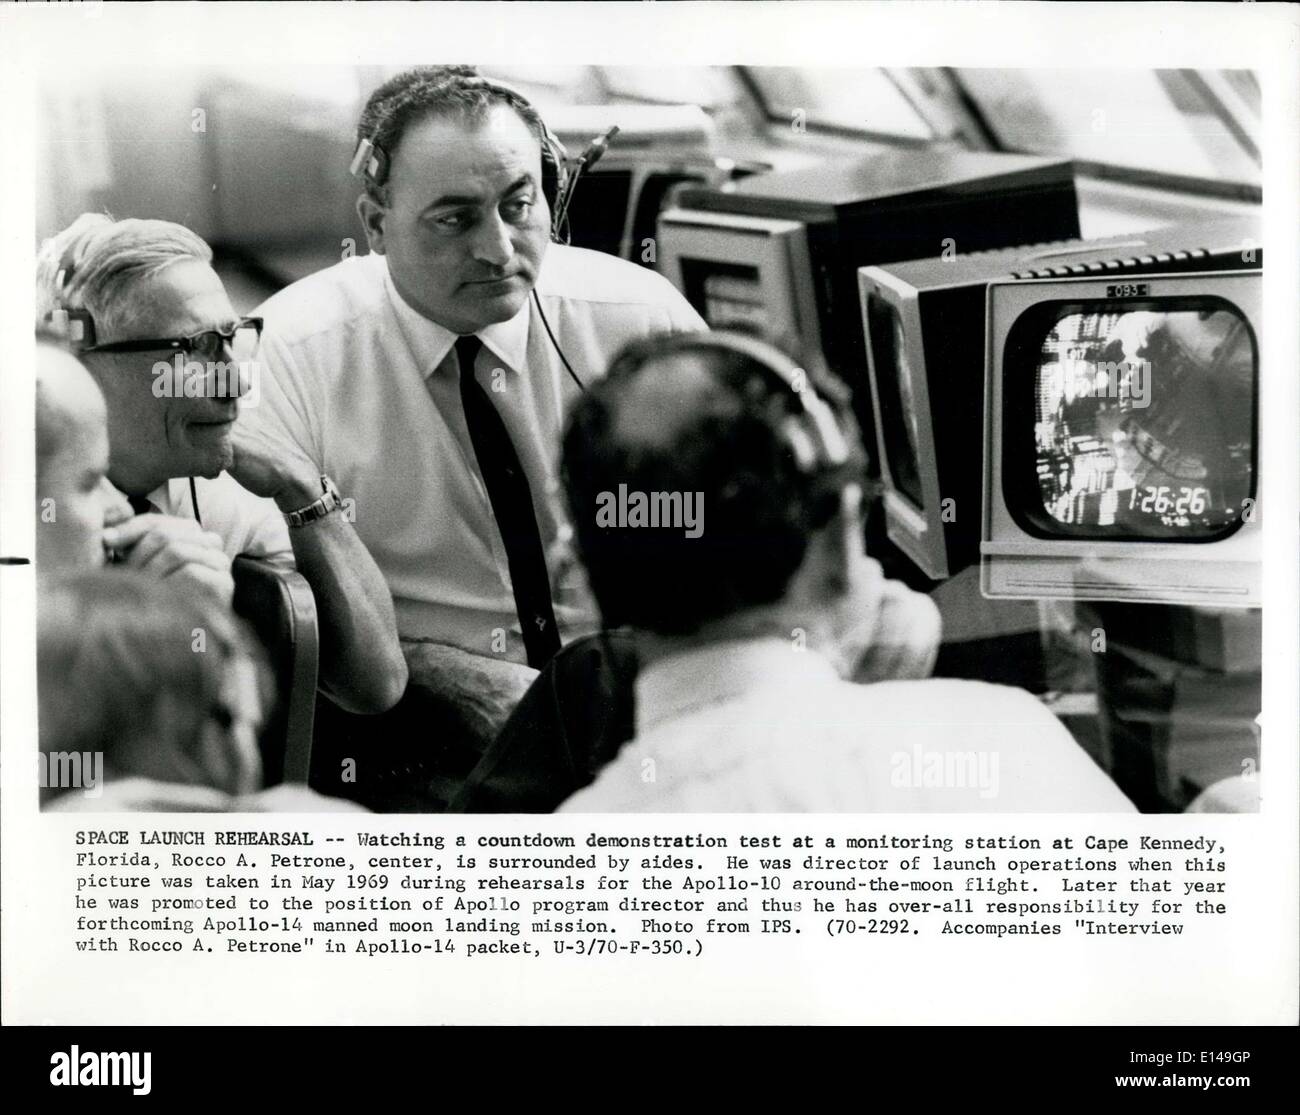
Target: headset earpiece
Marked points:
557	176
76	327
369	162
553	181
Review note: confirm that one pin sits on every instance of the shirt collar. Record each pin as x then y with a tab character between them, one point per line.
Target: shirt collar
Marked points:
680	683
430	342
164	497
170	492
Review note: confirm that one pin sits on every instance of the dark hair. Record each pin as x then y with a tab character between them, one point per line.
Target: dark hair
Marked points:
426	91
730	443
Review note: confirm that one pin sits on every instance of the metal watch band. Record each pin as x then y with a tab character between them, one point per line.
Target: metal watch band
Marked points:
317	509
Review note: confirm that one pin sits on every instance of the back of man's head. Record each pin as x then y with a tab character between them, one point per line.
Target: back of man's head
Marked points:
724	433
66	395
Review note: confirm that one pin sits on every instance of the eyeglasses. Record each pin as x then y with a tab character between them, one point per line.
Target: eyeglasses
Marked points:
242	338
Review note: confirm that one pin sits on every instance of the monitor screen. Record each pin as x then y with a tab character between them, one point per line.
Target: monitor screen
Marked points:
1142	418
896	397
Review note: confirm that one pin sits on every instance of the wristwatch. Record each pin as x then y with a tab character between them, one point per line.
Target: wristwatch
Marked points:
318	509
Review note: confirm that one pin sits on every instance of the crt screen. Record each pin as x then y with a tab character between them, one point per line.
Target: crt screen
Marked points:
889	356
1144	422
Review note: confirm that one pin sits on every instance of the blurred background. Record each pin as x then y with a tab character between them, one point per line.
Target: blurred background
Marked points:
256	161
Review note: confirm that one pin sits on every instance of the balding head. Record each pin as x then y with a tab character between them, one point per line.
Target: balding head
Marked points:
73	496
67	401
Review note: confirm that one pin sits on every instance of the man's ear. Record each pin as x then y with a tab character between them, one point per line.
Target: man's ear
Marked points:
825	575
835	550
372	216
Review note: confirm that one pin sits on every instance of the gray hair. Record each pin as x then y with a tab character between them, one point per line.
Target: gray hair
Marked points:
97	264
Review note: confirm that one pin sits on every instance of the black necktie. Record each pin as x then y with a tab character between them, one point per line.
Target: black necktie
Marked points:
512	504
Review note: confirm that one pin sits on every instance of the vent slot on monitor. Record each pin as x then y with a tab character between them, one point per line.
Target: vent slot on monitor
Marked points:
726	293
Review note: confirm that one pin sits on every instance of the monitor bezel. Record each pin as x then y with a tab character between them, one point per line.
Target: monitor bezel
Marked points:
917	531
1016	565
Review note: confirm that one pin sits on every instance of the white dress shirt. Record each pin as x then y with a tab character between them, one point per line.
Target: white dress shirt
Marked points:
757	726
369	388
245	523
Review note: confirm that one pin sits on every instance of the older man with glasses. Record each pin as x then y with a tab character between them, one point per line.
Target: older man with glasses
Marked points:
150	319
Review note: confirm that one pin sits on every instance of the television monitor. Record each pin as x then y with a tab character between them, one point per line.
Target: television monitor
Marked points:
924	325
785	247
1121	442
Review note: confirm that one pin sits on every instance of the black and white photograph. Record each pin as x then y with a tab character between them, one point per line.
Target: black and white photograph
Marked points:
702	529
439	453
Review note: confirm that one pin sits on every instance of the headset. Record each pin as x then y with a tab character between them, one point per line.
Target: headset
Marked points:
75	327
560	173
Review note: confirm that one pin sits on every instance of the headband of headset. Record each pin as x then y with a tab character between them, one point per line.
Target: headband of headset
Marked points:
371	162
817	439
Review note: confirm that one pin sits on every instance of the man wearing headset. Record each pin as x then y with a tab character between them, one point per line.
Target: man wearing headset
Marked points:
431	378
151	322
751	631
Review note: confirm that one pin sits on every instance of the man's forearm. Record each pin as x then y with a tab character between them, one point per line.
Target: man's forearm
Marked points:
362	666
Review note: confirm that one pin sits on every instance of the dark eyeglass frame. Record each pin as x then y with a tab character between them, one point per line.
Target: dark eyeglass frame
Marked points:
186	345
